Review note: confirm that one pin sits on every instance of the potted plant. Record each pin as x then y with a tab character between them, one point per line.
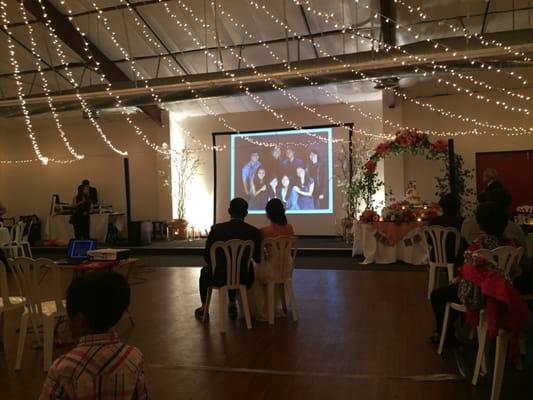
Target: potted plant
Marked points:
185	165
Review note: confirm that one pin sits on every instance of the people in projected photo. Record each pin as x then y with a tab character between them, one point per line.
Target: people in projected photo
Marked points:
291	163
316	172
260	190
283	191
274	165
249	170
302	191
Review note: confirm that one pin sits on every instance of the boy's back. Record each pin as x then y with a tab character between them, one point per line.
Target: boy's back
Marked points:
99	367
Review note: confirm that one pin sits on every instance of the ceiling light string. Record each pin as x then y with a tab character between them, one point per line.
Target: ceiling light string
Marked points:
266	79
466	32
244	88
375	14
139	75
45	86
20	87
353	107
513	131
434	65
59	50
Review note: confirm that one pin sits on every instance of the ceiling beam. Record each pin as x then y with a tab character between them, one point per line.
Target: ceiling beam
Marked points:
203	50
306	21
484	24
73	39
322	71
388	14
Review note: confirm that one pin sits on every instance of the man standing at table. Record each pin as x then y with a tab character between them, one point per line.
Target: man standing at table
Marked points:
93	193
235	228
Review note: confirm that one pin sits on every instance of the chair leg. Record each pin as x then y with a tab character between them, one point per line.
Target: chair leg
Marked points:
270	302
482	341
431	281
207	303
292	300
449	267
48	342
444	328
29	250
22	339
284	298
245	306
502	341
222	305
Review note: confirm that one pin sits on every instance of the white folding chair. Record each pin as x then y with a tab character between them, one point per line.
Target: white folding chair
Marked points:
506	258
7	302
237	253
42	308
277	264
24	242
435	238
15	247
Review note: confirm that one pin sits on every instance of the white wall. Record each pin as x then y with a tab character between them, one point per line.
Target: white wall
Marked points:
27	189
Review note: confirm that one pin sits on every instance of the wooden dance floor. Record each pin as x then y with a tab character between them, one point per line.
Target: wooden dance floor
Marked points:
361	335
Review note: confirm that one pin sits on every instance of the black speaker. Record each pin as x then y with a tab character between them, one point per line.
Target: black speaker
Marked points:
140	233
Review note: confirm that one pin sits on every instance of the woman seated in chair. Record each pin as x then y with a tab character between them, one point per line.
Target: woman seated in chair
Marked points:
492	219
278	226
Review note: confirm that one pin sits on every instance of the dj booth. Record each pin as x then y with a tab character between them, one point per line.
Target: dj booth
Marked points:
58	227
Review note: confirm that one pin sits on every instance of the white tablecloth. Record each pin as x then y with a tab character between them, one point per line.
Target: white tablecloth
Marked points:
59	228
411	249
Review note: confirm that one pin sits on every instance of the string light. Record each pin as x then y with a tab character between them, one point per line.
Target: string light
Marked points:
46	89
266	79
352	106
20	88
435	66
513	131
59	50
469	35
138	74
376	14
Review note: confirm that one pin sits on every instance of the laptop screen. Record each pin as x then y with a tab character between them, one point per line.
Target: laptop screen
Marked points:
77	249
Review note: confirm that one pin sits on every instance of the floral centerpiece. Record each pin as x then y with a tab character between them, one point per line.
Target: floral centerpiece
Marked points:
369	216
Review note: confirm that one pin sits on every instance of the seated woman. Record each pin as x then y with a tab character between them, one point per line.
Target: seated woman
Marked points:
492	219
278	226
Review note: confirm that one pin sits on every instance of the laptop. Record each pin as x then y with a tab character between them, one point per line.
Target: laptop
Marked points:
77	251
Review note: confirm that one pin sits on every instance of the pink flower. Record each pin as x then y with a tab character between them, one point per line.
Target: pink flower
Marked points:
371	166
440	146
383	148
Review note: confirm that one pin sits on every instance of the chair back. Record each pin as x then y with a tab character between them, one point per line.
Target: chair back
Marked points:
237	253
26	231
278	257
506	258
18	231
30	275
435	237
4	290
5	237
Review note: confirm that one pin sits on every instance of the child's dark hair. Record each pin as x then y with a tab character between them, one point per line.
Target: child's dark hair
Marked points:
101	296
276	212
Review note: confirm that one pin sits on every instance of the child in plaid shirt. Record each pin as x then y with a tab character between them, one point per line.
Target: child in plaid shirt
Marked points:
100	367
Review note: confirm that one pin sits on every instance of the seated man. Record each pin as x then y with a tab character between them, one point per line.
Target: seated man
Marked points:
100	366
235	228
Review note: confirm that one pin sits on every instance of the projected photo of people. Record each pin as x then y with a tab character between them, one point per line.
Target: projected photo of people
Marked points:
294	166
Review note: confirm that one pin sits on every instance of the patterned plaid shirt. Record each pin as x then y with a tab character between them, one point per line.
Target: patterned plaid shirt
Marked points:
100	367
